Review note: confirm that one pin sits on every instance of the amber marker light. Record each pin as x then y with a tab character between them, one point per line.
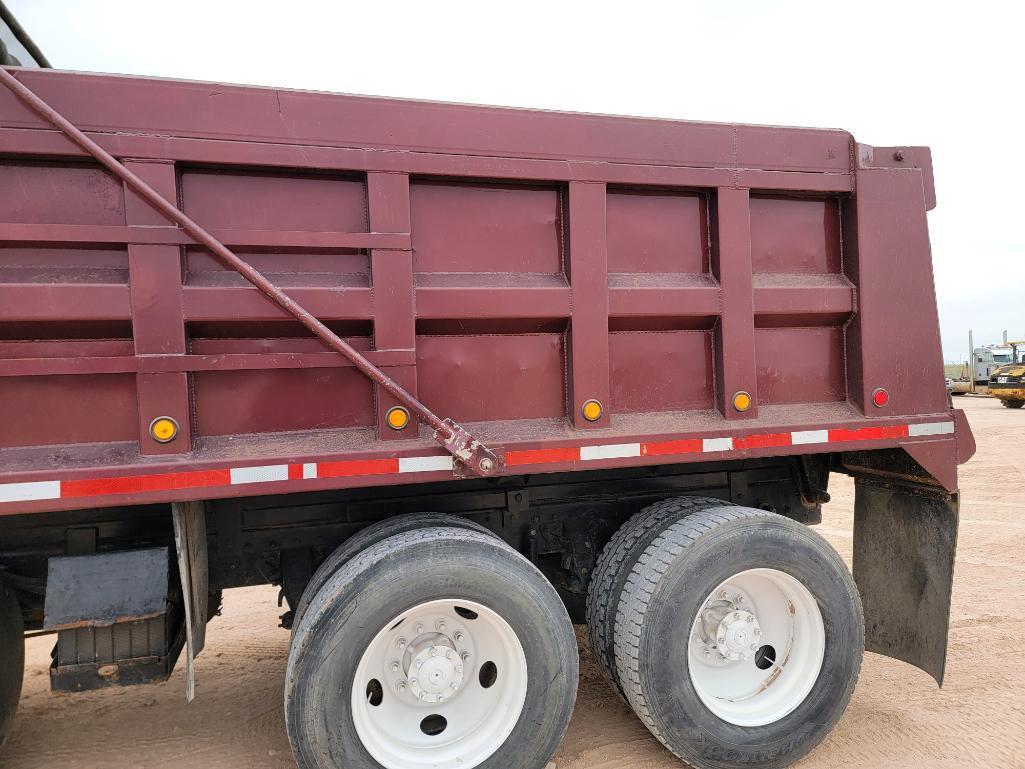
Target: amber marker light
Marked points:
880	397
397	418
741	400
591	410
163	429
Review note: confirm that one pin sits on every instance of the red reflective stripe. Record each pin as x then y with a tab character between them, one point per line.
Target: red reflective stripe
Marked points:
542	456
295	472
763	441
138	483
869	433
357	467
660	448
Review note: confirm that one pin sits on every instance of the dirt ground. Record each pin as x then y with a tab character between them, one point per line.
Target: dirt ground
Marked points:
897	718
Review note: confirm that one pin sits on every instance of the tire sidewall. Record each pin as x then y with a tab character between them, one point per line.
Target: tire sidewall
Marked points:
349	613
735	547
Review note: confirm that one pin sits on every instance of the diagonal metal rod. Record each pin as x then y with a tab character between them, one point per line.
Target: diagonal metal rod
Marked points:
475	457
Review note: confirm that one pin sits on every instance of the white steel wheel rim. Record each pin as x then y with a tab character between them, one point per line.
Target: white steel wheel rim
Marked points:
415	659
756	647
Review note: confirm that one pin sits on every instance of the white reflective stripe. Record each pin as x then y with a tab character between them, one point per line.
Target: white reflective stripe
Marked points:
809	436
610	451
424	464
717	444
259	474
27	492
309	470
931	428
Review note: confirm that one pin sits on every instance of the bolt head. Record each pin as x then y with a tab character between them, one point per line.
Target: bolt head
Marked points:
486	465
441	698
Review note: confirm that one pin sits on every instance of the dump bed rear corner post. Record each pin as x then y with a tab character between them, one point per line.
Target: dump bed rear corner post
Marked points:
391	276
731	266
158	328
587	268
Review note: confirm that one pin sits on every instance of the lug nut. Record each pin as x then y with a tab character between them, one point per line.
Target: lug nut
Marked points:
401	643
465	656
440	624
395	667
434	651
420	629
419	663
401	686
459	636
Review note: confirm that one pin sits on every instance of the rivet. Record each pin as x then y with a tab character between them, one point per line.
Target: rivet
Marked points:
486	465
899	156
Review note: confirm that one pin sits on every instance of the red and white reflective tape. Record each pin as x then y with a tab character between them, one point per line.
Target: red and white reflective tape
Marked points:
235	476
722	445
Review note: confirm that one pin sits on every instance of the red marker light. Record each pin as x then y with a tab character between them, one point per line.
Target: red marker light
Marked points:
880	397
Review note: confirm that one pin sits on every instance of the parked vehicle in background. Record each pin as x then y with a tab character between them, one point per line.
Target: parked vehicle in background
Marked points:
454	378
1008	382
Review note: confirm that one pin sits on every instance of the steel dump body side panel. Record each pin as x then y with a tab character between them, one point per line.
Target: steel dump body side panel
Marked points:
504	266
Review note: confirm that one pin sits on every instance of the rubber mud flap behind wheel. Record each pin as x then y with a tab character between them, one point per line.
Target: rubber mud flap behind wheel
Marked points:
371	535
12	659
739	638
440	647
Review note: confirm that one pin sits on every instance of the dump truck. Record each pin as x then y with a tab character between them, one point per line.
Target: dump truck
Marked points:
454	378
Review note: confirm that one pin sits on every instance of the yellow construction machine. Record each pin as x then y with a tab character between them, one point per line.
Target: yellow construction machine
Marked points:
1008	382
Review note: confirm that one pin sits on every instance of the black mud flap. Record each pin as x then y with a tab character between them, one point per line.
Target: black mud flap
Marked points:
905	535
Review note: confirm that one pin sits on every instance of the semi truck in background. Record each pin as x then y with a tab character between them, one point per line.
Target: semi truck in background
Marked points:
455	378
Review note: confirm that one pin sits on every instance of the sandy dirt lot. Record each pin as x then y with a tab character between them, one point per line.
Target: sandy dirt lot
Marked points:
897	718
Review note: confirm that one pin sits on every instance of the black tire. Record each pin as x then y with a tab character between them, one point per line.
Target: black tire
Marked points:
12	651
371	535
614	564
1013	404
668	586
381	583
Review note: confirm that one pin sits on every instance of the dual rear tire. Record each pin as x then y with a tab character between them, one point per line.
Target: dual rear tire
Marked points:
737	634
435	647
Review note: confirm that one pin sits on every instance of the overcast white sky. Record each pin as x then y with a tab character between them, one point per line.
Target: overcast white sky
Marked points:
948	75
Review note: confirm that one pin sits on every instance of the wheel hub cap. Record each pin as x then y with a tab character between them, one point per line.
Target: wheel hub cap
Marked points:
737	635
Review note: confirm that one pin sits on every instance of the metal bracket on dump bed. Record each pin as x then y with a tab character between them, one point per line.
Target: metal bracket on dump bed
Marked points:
471	456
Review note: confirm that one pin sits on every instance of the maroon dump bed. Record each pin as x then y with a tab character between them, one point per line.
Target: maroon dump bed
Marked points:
504	266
